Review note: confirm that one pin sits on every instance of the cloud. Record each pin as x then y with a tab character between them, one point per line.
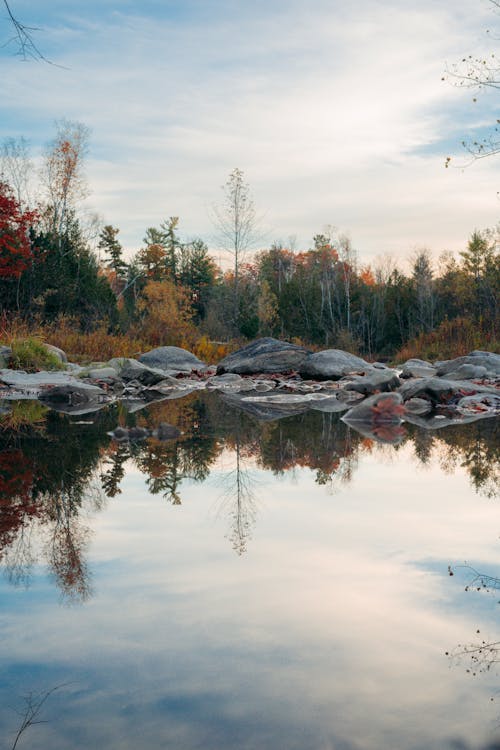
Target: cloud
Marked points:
326	108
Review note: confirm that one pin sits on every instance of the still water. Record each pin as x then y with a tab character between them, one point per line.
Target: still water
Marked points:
254	584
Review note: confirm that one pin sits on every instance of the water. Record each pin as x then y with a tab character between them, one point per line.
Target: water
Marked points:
252	585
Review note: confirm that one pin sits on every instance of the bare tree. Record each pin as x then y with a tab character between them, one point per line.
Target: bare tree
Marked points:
62	172
236	225
478	72
16	168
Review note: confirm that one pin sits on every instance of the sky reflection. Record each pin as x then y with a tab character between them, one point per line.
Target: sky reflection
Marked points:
329	631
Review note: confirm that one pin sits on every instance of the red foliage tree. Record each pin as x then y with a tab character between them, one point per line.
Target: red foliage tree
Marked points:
16	250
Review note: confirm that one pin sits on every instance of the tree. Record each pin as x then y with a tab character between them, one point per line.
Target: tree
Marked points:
62	171
16	167
479	73
423	287
112	248
17	251
236	224
165	313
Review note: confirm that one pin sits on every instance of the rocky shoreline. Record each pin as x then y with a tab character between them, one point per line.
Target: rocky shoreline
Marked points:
270	379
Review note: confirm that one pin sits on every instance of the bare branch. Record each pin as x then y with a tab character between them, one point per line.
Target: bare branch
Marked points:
34	703
27	48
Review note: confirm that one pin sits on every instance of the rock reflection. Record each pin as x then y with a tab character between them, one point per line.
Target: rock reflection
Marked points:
54	467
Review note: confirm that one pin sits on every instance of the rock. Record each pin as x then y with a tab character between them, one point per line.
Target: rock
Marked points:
381	408
438	421
376	381
99	372
417	368
467	372
263	355
5	355
481	404
264	409
489	360
80	398
332	364
61	356
130	369
387	433
440	390
418	406
29	385
174	359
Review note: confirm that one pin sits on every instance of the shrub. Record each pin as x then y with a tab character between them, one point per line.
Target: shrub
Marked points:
30	354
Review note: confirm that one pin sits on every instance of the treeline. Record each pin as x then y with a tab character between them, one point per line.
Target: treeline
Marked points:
55	265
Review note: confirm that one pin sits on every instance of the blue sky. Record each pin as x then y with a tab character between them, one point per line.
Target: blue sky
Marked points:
336	113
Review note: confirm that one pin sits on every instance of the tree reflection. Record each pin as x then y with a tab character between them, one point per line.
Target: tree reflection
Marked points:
49	466
45	482
238	499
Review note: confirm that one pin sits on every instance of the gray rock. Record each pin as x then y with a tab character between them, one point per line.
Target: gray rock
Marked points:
381	408
439	390
439	421
31	384
418	406
172	358
417	368
489	360
73	394
467	372
373	382
130	369
99	372
332	364
263	409
61	356
5	355
481	404
263	355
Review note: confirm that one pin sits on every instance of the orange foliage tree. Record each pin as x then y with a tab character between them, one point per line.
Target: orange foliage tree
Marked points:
165	314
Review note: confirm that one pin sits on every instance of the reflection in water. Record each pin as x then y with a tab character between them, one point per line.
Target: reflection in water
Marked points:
185	645
54	468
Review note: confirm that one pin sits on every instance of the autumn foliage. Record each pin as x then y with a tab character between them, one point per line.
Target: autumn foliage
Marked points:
16	250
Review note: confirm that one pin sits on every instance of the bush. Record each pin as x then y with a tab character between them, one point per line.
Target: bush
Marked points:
30	354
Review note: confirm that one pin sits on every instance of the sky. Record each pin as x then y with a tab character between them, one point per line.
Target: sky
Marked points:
336	113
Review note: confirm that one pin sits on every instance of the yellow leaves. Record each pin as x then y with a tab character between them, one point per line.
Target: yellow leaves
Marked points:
166	316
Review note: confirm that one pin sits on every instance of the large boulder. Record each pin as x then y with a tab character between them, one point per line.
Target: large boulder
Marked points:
376	381
467	372
378	417
440	390
332	364
74	398
173	359
489	360
381	408
61	356
263	355
130	369
417	368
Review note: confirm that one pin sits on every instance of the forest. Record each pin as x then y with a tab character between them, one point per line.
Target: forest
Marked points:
64	277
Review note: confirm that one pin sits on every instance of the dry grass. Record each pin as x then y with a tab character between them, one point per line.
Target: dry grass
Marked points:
453	338
99	345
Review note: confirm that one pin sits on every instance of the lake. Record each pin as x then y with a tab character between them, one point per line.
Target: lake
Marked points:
255	584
